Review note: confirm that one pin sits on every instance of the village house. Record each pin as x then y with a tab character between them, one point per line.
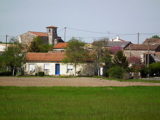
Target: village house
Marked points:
52	64
117	42
3	47
152	41
49	37
142	50
60	47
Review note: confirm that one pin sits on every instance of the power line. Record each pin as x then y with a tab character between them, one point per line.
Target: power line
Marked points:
77	29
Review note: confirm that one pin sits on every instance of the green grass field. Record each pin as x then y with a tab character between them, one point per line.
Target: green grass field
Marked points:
79	103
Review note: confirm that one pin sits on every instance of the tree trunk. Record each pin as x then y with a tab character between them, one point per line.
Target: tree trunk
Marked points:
75	65
13	71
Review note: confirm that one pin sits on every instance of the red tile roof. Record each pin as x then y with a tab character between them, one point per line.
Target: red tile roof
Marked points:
40	34
60	45
55	56
142	47
51	26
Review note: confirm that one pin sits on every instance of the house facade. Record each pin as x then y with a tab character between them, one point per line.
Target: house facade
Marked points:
3	47
141	51
52	64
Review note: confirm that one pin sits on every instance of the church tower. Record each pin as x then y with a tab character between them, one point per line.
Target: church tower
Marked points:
52	35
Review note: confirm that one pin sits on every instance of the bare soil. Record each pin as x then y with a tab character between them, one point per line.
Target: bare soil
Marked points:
81	81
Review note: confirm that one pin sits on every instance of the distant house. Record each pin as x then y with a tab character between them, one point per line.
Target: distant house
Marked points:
152	41
49	37
3	47
60	47
117	42
141	50
52	64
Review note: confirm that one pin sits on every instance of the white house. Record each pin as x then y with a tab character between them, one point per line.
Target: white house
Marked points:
52	64
60	47
3	47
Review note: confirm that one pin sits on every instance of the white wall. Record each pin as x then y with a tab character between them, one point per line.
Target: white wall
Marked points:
2	47
86	69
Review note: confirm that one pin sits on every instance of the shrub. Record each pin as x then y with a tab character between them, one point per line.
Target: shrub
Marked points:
116	72
40	74
6	73
153	70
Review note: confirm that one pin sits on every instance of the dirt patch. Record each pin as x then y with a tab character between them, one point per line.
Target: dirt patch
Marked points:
82	81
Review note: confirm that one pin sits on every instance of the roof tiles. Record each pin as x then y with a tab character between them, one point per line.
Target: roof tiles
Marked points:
55	56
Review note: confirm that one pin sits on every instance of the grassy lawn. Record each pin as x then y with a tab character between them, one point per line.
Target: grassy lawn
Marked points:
79	103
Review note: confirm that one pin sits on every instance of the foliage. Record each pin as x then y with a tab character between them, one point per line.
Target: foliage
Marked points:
79	103
155	36
116	72
115	49
5	73
134	60
120	60
101	54
13	58
38	45
153	70
75	52
136	64
40	74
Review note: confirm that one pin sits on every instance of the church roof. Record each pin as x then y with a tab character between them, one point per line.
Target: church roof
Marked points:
40	34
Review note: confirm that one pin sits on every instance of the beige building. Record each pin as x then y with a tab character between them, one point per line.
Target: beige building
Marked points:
141	50
52	64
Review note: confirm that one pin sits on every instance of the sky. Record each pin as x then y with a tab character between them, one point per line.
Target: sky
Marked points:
88	20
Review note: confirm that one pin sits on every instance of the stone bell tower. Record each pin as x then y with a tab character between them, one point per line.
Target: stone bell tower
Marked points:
52	35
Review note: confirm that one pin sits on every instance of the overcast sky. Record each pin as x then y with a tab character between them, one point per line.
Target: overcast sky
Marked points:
103	17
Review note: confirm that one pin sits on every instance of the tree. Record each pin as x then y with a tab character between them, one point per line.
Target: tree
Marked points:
116	72
75	52
156	36
38	45
13	58
120	60
134	60
115	49
101	54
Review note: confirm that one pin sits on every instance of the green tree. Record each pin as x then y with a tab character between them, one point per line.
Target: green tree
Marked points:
101	55
13	58
75	52
116	72
120	60
156	36
38	45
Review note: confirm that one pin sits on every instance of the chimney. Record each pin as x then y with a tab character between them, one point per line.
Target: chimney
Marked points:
117	38
52	35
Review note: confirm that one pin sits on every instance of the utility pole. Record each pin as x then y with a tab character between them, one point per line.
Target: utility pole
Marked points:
6	40
65	29
138	37
148	59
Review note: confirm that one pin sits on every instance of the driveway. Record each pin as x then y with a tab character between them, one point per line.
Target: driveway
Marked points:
81	81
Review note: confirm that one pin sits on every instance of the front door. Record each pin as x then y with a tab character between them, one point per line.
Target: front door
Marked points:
57	69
